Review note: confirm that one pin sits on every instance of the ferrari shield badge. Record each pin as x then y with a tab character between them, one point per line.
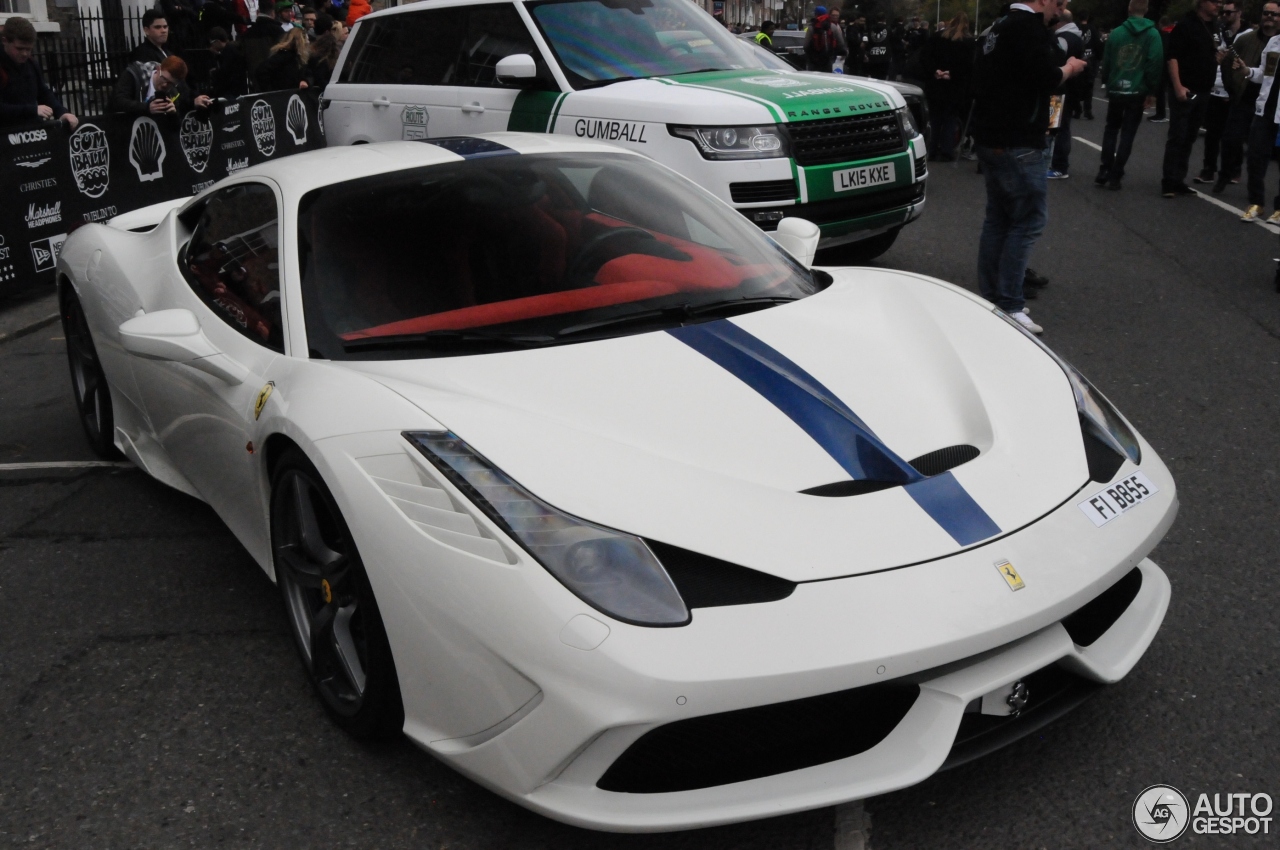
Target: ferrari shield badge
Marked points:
261	401
1010	575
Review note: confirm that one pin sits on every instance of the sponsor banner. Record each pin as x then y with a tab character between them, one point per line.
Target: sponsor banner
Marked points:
58	180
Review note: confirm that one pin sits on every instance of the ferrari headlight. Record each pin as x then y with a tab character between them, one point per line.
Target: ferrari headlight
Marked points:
909	129
1097	415
609	570
764	142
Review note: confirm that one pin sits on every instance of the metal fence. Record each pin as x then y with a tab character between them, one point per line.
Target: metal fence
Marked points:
82	62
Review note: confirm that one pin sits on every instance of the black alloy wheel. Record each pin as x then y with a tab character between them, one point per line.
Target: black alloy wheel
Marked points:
330	605
88	381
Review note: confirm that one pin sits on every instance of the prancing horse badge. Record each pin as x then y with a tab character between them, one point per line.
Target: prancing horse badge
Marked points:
1010	575
261	401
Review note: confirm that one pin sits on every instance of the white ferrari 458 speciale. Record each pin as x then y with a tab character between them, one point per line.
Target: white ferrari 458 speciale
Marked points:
607	498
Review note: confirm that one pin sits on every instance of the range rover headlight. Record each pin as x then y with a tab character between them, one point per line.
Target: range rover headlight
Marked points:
611	571
763	142
1097	415
909	129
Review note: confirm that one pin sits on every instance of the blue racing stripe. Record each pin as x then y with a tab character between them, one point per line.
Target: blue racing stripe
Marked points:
838	430
469	147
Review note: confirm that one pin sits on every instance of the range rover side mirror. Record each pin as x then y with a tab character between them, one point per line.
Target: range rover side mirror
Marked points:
518	66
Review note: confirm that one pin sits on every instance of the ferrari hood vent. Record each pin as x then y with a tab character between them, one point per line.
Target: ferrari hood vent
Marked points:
941	460
934	463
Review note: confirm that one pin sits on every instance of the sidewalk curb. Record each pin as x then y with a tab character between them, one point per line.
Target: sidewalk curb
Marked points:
29	328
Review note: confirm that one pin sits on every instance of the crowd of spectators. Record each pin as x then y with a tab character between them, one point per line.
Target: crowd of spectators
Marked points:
245	46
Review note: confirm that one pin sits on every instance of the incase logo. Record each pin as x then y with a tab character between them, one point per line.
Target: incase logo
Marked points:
28	136
46	214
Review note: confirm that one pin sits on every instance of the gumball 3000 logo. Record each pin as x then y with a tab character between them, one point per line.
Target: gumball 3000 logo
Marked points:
263	124
90	160
196	140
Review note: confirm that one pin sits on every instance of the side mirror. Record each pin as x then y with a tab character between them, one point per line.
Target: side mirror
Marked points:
518	66
799	238
175	336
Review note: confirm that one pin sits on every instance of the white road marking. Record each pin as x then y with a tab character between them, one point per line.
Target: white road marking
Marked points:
853	827
1270	228
64	464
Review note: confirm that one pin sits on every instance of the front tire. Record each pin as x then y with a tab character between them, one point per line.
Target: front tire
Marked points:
88	381
329	602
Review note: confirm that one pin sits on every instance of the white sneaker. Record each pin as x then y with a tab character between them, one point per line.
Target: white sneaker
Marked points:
1025	320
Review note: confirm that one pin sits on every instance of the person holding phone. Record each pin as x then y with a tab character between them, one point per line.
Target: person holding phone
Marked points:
148	88
1192	61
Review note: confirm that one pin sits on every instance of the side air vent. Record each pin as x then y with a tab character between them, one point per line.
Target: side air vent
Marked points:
762	191
706	582
941	460
1104	461
921	167
735	746
426	504
1092	621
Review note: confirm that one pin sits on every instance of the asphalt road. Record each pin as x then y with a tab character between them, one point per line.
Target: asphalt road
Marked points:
150	695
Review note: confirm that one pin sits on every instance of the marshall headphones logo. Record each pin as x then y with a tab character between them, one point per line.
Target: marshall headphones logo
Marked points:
42	215
234	165
263	123
195	137
414	118
90	160
146	150
27	136
295	120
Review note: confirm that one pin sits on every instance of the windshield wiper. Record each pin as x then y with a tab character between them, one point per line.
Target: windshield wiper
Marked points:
678	313
447	338
699	71
595	84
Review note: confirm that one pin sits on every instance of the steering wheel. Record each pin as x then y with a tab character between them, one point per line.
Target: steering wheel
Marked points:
586	264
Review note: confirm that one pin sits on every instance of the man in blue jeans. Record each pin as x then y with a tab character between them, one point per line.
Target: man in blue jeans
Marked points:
1016	74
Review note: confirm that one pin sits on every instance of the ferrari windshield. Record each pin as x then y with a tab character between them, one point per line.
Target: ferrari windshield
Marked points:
646	38
513	251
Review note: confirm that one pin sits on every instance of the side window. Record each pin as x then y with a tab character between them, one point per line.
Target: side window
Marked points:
233	261
493	33
416	49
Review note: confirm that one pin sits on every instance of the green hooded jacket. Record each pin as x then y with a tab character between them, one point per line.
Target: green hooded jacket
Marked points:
1134	59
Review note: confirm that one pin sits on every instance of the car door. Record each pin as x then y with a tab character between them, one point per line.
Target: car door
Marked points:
493	32
394	83
228	275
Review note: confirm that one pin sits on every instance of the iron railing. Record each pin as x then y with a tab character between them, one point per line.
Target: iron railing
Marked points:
82	62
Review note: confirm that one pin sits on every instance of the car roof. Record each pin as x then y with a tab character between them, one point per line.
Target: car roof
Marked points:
300	173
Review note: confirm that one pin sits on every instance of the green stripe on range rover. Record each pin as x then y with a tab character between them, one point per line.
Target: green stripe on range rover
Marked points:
790	97
535	111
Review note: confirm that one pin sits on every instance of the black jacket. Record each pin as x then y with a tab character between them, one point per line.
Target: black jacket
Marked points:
230	75
1069	43
944	54
1191	43
281	70
1016	73
148	52
130	93
22	89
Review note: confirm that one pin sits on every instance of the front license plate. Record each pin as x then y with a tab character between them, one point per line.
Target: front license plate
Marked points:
864	176
1114	499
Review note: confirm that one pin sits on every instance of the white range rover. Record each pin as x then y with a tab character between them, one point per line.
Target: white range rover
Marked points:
658	76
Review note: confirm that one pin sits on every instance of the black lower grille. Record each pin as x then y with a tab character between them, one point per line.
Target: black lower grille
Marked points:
921	167
750	743
941	460
706	582
762	191
1092	621
840	209
831	140
1052	693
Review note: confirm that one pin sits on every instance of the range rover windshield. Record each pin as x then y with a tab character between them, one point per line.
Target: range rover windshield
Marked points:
646	38
516	251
